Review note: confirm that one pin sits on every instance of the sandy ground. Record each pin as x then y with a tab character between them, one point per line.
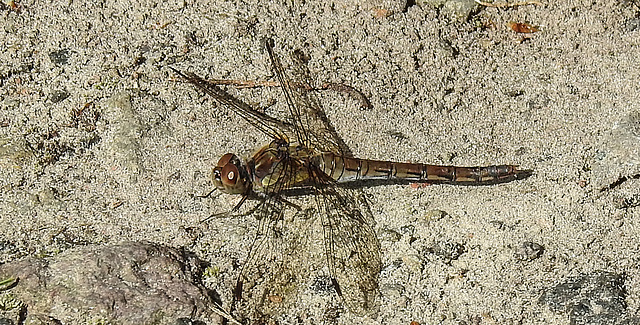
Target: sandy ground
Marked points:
99	146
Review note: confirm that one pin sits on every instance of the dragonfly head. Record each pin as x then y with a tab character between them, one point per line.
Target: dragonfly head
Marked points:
230	175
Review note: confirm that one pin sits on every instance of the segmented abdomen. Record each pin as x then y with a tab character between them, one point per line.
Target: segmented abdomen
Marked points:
348	169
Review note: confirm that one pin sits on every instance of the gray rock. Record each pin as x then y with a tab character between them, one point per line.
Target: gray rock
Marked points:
618	157
594	299
130	283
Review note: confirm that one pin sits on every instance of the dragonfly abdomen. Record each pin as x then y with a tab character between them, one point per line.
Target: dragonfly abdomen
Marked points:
348	169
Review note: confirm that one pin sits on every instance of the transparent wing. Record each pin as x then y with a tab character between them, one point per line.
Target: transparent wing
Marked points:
351	245
273	272
272	268
277	265
313	128
272	127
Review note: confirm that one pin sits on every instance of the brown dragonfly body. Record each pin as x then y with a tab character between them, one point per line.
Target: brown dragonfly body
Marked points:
263	165
305	152
348	169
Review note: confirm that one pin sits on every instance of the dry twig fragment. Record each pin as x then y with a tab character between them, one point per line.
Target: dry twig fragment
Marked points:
508	4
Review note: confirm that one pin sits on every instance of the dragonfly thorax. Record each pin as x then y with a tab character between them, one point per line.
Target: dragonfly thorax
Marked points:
230	175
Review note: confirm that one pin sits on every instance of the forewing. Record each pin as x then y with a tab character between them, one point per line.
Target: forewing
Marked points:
272	127
313	128
351	246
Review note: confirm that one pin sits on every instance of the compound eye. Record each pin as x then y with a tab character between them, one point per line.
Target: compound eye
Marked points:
224	160
229	175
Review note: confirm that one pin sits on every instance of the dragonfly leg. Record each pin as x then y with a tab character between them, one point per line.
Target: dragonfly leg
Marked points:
291	204
281	199
237	290
240	203
207	195
229	214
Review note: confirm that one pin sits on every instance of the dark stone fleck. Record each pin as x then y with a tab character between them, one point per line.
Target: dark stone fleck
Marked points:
188	321
398	135
515	93
538	102
635	320
389	235
633	24
139	60
624	202
521	151
408	229
58	96
435	214
183	321
322	284
448	250
6	321
631	123
60	57
332	314
590	299
529	251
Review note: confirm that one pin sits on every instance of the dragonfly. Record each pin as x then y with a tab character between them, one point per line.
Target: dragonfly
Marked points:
306	157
